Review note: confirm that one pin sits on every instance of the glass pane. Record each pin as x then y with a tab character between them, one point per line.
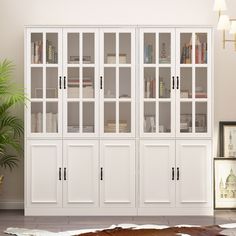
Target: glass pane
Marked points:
51	48
201	48
88	117
36	82
110	48
51	117
164	117
164	82
164	48
185	117
201	83
125	48
149	54
185	82
88	48
36	48
201	117
109	82
36	117
149	82
125	117
125	83
109	117
149	125
73	48
73	117
88	82
186	48
73	82
51	82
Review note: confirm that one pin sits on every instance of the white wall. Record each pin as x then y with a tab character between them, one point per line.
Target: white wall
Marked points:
15	14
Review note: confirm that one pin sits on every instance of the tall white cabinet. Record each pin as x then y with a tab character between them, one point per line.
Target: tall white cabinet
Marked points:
118	121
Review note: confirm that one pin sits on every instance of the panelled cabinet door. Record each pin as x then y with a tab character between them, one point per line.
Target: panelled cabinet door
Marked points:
80	82
117	173
117	82
194	171
157	173
80	173
43	75
44	173
157	82
193	75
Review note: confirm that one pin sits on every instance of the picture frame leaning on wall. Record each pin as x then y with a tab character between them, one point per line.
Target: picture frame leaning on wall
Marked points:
224	183
228	139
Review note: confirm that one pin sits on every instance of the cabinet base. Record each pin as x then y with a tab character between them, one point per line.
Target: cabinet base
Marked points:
117	211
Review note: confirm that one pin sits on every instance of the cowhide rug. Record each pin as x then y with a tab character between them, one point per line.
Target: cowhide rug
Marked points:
137	230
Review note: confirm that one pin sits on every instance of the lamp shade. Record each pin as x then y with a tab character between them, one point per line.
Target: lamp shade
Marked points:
233	28
220	5
224	23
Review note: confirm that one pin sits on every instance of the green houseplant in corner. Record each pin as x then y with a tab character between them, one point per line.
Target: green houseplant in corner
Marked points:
11	127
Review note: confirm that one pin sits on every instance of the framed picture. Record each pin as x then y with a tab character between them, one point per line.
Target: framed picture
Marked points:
228	139
225	183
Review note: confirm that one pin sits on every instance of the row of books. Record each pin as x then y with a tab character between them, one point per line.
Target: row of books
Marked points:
37	52
148	53
37	122
186	54
150	88
200	54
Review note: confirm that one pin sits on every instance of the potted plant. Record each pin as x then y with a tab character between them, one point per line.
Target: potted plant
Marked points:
11	127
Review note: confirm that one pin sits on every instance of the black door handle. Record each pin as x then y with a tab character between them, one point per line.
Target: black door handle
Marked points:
177	173
64	173
100	82
59	173
64	82
59	82
101	177
173	173
173	82
177	82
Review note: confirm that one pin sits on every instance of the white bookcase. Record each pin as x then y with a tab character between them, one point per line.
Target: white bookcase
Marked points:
119	121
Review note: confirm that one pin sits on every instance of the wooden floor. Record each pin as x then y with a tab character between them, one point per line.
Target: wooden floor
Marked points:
15	218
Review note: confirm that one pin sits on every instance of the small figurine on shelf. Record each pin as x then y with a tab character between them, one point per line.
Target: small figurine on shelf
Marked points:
163	56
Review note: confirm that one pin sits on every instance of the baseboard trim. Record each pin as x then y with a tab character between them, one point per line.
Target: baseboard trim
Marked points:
14	205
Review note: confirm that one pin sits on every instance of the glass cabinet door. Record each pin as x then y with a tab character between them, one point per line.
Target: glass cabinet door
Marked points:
43	76
117	82
156	72
193	75
80	82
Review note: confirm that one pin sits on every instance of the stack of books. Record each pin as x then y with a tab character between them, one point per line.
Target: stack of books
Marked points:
37	52
74	85
110	127
51	53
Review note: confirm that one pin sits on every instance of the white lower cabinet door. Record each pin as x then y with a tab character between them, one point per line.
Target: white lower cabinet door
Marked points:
44	173
117	173
80	173
194	167
157	173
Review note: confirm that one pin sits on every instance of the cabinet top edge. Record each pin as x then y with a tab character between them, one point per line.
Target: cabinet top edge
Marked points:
119	26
